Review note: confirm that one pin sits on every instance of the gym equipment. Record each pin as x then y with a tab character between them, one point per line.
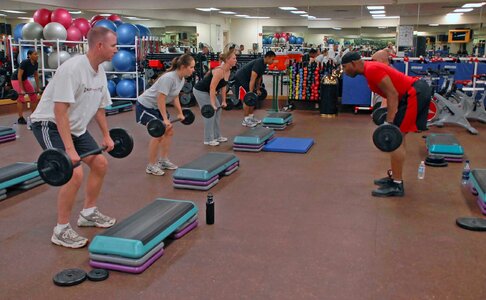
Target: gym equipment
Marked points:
118	107
83	25
187	88
17	32
106	23
19	175
116	259
205	171
156	127
207	111
185	99
61	15
473	224
277	121
253	139
445	145
7	134
123	61
42	16
112	87
126	88
54	31
448	112
144	230
56	168
52	60
126	34
250	99
144	31
289	145
74	34
128	269
379	115
98	275
436	161
32	31
387	137
478	182
69	277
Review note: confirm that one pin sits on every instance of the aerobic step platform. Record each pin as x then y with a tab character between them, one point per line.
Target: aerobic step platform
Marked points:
289	145
446	145
478	182
19	174
253	139
144	230
277	121
205	172
118	107
7	134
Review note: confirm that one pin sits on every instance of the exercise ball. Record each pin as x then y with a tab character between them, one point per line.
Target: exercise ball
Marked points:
292	39
114	78
124	61
114	18
126	88
32	31
330	41
274	40
107	66
83	25
118	23
53	57
126	34
282	40
144	31
276	35
95	19
107	24
112	88
62	16
140	86
299	40
74	34
17	32
55	31
42	16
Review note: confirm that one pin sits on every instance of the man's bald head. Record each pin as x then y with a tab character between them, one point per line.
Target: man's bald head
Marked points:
381	56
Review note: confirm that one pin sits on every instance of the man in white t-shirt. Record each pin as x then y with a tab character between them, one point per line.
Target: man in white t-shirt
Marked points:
77	93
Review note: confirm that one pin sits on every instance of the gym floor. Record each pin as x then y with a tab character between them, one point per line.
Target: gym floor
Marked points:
288	226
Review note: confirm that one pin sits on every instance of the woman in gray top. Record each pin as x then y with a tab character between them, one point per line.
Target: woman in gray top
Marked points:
152	105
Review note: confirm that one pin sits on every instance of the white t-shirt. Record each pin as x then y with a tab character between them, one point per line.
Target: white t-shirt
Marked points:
169	84
76	83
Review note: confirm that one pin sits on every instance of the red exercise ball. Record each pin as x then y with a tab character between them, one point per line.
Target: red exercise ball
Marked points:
83	25
74	34
95	19
62	16
42	16
276	35
114	18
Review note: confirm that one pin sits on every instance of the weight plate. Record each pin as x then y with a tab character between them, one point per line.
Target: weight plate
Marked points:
387	138
207	111
263	94
123	143
55	167
250	99
185	99
156	128
187	88
188	117
379	115
69	277
98	274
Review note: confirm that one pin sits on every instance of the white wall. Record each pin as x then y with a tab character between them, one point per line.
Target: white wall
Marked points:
246	32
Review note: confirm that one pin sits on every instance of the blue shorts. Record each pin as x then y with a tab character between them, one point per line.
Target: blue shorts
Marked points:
143	114
48	137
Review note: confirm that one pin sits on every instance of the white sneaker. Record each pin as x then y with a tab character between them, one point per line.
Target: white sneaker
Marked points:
248	123
69	238
154	170
212	143
166	164
222	139
255	120
96	219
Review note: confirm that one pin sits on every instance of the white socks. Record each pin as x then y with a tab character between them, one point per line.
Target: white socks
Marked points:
60	227
88	211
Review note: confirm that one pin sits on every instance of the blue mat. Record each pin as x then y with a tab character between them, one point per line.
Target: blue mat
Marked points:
290	145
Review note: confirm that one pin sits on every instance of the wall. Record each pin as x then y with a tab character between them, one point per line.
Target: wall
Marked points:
246	32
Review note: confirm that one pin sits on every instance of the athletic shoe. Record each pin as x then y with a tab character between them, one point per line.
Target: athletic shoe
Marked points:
154	170
391	190
248	123
68	238
167	164
96	219
222	139
21	120
212	143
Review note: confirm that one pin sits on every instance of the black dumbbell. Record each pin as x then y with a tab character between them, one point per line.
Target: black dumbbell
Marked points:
56	167
156	127
207	111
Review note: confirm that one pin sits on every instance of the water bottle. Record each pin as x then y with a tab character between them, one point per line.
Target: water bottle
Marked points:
466	172
210	210
421	170
15	127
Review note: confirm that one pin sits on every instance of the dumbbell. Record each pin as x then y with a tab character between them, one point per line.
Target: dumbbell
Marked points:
156	127
387	137
56	167
251	98
207	111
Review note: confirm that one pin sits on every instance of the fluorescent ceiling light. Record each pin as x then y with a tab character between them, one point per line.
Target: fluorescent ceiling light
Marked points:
375	7
208	9
76	12
25	18
255	17
287	8
306	15
377	12
467	5
298	12
137	19
337	28
242	16
227	12
454	14
378	16
382	27
105	15
319	19
386	17
462	10
13	11
3	15
434	25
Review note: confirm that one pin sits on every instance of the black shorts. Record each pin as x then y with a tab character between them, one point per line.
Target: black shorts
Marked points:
143	114
414	108
48	137
241	90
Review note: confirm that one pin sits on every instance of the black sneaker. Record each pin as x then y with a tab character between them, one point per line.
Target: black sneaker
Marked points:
392	190
21	120
385	180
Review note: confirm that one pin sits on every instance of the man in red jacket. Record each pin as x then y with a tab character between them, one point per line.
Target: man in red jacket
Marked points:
408	103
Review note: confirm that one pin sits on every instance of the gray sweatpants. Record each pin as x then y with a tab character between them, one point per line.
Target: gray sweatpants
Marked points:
211	125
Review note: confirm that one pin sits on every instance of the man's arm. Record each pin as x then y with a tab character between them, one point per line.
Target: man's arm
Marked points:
62	122
391	94
253	81
100	118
